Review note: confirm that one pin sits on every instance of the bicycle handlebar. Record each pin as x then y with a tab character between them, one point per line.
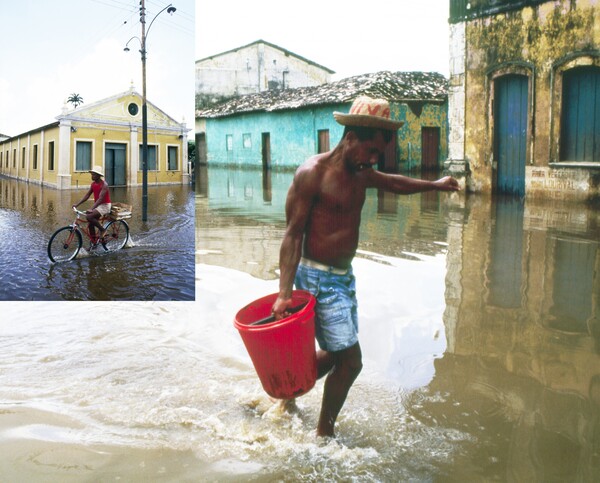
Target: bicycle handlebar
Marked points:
79	212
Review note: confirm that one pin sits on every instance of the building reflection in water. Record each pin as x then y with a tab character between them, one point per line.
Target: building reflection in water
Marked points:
522	321
149	269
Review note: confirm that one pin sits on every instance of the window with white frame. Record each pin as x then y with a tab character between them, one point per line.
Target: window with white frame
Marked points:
152	164
172	158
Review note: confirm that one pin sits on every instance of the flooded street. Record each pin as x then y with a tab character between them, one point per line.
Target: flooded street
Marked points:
479	327
480	332
156	264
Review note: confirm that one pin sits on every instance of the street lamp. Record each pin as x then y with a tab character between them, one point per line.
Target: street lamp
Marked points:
170	9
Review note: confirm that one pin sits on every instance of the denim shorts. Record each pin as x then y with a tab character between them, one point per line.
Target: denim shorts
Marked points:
336	319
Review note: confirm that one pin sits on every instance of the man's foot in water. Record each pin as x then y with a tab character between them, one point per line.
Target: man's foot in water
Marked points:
287	405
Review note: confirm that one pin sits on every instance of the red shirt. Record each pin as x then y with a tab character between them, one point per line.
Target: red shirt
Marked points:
97	187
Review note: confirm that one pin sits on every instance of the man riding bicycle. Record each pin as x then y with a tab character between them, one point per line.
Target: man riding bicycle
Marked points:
101	206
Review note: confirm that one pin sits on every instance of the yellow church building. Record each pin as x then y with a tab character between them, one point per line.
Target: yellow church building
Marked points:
107	133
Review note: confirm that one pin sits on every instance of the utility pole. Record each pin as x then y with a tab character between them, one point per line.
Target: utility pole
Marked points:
144	116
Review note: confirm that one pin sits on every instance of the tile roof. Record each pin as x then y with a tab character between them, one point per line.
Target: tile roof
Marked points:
393	86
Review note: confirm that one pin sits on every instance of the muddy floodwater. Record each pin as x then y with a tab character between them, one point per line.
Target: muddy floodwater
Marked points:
156	264
480	332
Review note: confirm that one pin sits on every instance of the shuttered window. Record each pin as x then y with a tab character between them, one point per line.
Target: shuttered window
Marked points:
172	158
151	162
83	156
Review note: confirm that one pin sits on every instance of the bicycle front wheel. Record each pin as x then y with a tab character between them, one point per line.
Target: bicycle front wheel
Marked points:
117	234
64	244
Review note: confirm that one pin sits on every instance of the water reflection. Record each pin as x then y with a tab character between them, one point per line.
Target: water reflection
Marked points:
159	264
499	369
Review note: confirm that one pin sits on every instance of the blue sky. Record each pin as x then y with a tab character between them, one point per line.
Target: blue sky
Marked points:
379	35
51	49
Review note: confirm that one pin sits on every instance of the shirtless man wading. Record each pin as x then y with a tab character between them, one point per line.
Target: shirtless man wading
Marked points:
323	209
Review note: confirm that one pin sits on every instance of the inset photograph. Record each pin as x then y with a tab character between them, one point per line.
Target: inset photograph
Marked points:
96	195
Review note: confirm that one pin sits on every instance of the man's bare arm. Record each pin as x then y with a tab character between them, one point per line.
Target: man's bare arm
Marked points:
299	203
85	197
397	183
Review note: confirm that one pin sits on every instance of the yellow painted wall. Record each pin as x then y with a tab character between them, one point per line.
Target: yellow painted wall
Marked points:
50	175
35	139
98	136
162	174
108	121
12	157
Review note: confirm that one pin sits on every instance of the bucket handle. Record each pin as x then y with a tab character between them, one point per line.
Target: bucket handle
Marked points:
271	318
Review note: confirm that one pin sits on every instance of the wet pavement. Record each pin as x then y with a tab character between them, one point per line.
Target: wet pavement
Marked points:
157	264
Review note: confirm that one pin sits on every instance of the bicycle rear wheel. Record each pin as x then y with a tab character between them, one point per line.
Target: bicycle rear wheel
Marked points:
117	234
64	244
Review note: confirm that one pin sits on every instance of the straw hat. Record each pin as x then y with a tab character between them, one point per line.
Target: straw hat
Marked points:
97	170
368	112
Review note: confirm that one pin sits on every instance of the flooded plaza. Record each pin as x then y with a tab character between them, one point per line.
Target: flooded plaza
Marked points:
479	327
156	264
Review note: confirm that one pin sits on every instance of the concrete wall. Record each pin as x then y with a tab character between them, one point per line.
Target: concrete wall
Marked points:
255	68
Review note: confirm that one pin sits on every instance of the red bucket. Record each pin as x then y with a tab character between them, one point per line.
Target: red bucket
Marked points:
282	351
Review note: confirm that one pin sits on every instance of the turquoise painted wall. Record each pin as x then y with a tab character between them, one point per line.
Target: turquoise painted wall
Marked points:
294	135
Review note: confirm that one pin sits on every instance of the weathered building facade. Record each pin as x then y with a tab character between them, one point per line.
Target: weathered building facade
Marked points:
524	97
284	128
107	133
253	68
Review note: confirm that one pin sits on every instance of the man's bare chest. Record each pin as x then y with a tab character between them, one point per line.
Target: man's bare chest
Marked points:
342	197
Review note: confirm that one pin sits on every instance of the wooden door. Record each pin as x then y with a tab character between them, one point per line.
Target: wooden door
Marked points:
323	141
114	158
266	150
430	148
580	127
510	132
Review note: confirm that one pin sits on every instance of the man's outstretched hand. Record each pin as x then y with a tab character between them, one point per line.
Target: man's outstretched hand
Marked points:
447	183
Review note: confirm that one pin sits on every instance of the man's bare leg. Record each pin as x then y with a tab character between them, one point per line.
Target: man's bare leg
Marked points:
325	361
347	365
94	220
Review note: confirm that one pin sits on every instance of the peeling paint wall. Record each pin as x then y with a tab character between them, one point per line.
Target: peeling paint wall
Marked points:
540	42
416	116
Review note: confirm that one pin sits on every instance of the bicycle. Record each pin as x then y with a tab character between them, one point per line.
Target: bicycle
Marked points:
65	243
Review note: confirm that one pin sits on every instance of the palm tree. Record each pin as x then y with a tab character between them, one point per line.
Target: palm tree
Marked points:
75	99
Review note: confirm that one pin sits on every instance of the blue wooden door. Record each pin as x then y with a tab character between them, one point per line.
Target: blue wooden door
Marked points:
510	132
580	136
